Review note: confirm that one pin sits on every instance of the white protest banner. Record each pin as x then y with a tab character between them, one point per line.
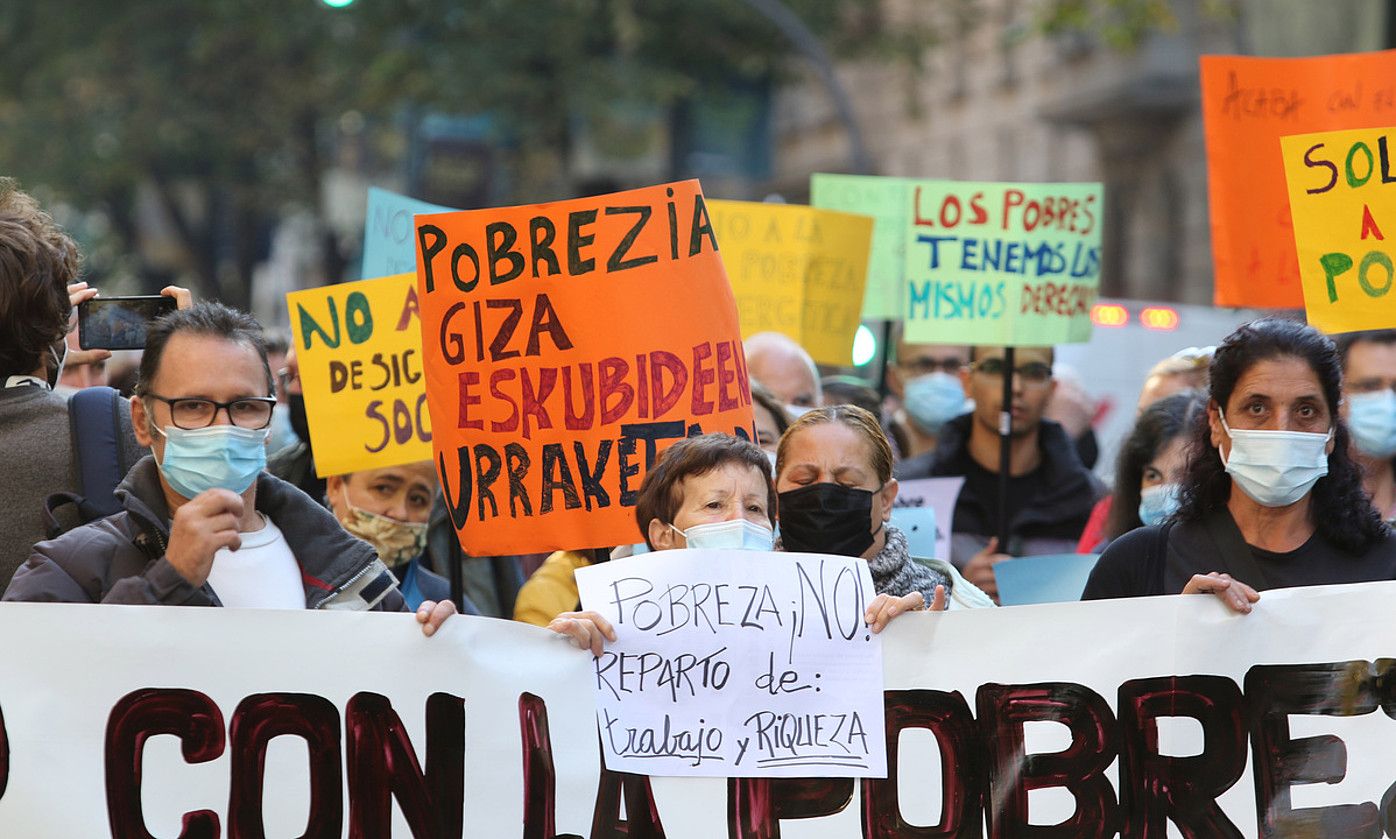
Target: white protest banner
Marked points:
1153	716
738	663
940	494
389	234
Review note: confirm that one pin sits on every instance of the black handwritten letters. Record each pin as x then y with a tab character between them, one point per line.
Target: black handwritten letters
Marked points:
737	663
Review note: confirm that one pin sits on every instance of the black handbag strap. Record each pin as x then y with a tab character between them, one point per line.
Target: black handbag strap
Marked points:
1230	545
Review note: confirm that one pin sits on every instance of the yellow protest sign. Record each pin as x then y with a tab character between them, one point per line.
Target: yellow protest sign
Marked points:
359	346
796	270
1342	200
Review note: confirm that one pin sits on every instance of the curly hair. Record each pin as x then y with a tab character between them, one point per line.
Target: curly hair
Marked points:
37	262
1341	511
1161	423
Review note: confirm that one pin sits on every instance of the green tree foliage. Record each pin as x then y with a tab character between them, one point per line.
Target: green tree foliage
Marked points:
221	106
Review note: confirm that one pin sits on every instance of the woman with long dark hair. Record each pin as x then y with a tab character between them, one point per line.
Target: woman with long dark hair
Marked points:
1148	472
1271	497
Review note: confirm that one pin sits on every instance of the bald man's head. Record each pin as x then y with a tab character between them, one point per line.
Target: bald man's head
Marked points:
784	368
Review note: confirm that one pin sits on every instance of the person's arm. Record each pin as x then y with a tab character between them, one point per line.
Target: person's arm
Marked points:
44	579
551	590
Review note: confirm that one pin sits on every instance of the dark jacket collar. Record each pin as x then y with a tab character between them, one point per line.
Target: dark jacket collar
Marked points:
1068	486
329	557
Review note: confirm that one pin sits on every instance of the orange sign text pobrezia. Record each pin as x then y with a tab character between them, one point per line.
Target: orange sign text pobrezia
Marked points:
565	346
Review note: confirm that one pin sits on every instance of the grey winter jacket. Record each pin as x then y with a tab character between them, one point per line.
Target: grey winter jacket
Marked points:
120	559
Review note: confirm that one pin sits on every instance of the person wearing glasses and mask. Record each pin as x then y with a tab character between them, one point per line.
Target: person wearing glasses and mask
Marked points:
926	381
1271	497
1050	493
201	523
1369	409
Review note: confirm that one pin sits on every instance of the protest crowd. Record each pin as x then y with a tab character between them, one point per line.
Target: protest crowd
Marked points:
1264	461
477	436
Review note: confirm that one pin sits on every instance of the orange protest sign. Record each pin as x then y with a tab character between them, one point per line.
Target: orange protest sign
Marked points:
565	346
1247	105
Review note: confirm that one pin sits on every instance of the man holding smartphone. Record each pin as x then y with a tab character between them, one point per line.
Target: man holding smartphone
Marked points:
202	523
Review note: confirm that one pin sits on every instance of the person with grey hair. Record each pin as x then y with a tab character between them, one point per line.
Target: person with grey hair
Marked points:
785	368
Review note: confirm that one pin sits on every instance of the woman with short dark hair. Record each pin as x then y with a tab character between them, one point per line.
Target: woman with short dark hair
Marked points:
1271	497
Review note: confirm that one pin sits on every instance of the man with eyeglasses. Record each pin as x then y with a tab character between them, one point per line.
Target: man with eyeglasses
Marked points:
927	383
1050	493
1369	409
202	523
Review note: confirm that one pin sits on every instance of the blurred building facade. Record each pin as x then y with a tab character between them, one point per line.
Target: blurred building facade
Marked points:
996	99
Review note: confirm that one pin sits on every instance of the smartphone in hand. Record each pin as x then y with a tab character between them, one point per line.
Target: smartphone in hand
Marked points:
119	323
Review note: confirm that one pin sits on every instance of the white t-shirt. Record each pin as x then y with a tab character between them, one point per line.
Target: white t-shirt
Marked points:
262	574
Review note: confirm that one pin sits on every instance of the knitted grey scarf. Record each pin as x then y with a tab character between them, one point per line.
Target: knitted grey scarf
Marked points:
895	572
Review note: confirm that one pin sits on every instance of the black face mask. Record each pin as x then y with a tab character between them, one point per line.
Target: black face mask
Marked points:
299	424
826	519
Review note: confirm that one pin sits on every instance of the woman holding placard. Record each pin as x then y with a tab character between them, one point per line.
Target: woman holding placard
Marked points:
1271	497
836	490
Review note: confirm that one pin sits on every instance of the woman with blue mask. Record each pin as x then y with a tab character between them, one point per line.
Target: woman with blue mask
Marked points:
1271	497
1149	470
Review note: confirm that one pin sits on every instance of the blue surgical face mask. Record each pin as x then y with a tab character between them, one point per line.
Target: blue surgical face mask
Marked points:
1275	468
934	399
734	535
1372	420
1158	503
220	456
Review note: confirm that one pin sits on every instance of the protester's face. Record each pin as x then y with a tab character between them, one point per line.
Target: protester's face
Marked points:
201	366
788	377
402	492
1033	386
1168	465
79	371
915	360
833	453
1277	394
767	430
730	492
1370	367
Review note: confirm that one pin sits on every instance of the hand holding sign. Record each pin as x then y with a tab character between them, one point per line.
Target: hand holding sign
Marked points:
740	663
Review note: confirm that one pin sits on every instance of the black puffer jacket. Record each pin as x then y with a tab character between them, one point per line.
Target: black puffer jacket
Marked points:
120	559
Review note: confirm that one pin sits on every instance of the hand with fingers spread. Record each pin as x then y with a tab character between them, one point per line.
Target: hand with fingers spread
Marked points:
208	522
432	614
1234	593
586	630
980	569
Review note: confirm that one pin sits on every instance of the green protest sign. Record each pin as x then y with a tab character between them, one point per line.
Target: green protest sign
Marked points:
1001	264
887	200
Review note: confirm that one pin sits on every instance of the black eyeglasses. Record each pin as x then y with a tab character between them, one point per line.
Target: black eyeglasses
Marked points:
1033	373
192	413
925	365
